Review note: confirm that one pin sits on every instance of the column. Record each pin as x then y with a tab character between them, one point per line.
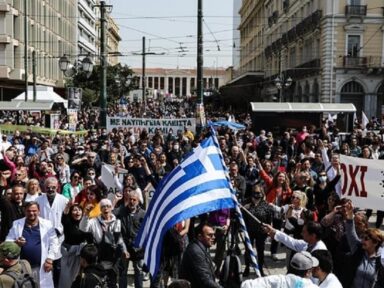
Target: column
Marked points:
165	85
173	86
181	87
188	94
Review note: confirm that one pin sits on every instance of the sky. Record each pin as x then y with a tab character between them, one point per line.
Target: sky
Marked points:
170	28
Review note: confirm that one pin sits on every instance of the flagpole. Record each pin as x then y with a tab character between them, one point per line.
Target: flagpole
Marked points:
247	239
250	214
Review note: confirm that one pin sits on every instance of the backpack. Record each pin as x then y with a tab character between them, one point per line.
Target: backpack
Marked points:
102	281
108	248
23	279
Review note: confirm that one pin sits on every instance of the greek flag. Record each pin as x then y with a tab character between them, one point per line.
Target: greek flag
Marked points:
197	185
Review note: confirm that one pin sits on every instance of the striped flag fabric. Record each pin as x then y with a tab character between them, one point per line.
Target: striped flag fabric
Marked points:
197	185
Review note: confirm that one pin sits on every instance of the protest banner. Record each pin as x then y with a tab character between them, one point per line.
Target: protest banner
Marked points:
363	181
107	177
72	119
10	129
138	124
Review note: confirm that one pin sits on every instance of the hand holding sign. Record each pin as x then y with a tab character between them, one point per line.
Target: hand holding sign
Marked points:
349	210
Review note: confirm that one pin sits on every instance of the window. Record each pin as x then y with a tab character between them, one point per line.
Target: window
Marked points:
353	45
355	2
292	57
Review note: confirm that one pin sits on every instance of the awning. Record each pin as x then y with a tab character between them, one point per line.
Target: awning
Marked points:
229	124
29	105
302	107
247	77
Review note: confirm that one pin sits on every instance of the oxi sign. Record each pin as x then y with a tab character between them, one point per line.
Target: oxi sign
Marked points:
363	181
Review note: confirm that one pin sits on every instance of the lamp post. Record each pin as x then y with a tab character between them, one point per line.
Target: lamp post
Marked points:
70	69
281	83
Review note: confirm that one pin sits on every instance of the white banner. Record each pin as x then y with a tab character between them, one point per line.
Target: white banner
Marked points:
138	124
363	181
107	177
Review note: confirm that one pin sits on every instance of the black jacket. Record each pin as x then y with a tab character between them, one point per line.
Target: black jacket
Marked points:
197	266
130	224
86	279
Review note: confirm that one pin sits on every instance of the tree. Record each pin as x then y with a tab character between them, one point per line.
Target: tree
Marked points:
117	85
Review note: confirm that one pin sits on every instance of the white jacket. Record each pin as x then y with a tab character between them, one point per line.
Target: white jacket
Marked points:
279	281
53	213
49	245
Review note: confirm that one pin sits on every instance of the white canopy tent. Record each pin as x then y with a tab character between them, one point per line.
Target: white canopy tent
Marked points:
44	94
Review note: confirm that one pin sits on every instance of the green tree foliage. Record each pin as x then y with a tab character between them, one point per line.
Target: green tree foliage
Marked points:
117	85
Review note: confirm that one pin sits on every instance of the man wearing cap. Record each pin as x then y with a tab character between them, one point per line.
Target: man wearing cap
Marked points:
9	261
299	272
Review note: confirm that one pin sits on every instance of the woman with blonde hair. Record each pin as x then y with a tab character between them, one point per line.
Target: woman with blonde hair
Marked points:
295	214
33	190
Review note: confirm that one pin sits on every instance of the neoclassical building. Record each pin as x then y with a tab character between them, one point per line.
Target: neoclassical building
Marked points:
180	82
333	51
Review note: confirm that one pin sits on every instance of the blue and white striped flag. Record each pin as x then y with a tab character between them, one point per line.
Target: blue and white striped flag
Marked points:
198	185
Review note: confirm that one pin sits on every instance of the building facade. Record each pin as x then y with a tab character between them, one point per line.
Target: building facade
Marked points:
87	34
180	82
236	35
113	40
331	49
52	32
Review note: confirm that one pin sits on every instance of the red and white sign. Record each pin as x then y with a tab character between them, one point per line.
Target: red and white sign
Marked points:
363	181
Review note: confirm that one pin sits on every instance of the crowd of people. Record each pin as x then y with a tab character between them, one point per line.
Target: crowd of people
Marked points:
69	230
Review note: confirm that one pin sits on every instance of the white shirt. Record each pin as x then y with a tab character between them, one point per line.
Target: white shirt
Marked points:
330	281
298	245
279	281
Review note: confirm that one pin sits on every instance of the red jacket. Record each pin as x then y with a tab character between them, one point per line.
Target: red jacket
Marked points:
272	191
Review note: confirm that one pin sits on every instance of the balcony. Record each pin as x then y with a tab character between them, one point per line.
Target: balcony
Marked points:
306	69
354	62
356	10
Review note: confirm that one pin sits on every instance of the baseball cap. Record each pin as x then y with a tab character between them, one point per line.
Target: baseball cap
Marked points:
303	261
9	250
